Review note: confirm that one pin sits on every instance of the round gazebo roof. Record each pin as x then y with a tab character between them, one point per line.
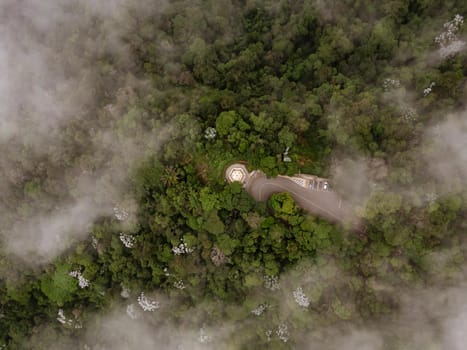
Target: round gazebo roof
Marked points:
236	172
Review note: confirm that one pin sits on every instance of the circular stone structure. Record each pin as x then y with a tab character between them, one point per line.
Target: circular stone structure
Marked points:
236	173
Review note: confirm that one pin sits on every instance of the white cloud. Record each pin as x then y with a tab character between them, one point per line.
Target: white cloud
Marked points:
51	58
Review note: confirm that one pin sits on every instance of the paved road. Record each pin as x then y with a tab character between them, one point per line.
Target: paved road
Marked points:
326	204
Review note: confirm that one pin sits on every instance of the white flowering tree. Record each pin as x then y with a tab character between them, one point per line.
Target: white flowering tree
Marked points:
62	319
260	309
127	239
429	89
271	282
131	312
448	41
282	332
94	242
125	293
82	282
409	115
389	84
179	284
210	133
300	297
147	304
182	248
120	214
69	322
203	336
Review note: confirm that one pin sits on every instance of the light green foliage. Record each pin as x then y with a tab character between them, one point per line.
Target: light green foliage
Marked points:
261	122
286	137
227	244
253	280
209	200
382	38
225	122
341	310
397	236
382	203
213	223
268	163
59	287
283	203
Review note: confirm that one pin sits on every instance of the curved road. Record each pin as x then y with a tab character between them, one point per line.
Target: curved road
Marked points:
326	204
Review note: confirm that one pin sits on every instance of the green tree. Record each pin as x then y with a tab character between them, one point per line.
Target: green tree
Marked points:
60	286
213	223
225	122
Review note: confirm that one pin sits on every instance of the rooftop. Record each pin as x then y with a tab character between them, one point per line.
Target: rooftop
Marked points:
236	173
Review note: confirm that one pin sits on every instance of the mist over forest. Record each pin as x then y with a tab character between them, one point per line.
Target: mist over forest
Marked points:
118	119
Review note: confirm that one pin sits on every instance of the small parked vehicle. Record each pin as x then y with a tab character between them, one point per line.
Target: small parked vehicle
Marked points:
312	185
323	186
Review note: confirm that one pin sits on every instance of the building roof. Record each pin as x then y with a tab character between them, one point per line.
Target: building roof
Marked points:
236	173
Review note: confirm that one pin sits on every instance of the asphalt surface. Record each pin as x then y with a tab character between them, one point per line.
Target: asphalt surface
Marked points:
326	204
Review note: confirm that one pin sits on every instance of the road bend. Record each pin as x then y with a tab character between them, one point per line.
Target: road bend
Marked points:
326	204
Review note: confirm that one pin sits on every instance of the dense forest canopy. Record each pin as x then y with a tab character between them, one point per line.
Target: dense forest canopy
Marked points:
118	119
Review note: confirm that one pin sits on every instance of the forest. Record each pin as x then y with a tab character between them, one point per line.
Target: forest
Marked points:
118	120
